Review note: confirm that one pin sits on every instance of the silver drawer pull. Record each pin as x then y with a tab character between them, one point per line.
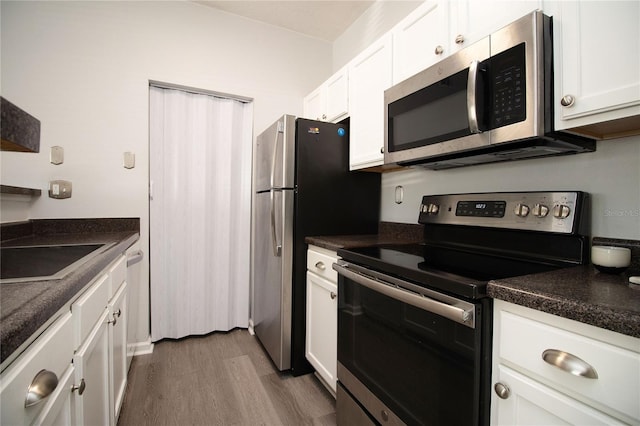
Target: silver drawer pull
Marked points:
43	384
569	363
320	265
333	295
79	388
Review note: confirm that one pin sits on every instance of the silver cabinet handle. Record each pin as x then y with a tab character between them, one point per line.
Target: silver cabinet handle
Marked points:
382	150
569	363
459	39
134	258
502	390
80	388
567	101
333	295
115	317
42	385
439	50
320	265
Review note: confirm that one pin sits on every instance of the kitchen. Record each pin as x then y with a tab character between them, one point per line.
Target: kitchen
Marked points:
83	69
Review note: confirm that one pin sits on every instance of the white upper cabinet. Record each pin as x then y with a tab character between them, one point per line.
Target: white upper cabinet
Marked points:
471	20
596	65
330	101
370	74
421	39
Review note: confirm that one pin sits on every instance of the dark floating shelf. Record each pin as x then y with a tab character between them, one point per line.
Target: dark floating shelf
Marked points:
18	190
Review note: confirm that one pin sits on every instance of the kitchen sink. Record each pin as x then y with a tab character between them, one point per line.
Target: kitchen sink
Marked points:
36	263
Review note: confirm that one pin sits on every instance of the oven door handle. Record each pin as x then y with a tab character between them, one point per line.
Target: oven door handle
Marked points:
454	313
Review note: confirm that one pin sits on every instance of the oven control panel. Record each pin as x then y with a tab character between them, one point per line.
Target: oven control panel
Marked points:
535	211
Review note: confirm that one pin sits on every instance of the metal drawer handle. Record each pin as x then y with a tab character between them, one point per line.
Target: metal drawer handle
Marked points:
43	384
134	258
569	363
333	295
80	388
320	265
115	317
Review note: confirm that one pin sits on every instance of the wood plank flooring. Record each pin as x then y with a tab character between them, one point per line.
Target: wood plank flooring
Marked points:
220	379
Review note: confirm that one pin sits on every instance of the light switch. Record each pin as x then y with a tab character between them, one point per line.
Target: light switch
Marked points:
129	160
60	189
57	155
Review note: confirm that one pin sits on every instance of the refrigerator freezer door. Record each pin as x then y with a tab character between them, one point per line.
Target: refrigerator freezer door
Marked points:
273	274
275	155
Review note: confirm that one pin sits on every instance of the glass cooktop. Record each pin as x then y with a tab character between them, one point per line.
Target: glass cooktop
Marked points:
455	271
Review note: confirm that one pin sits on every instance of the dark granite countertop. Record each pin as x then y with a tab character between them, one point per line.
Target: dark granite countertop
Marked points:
26	308
388	233
580	293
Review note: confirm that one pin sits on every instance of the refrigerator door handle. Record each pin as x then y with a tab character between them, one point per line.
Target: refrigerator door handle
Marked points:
279	129
277	248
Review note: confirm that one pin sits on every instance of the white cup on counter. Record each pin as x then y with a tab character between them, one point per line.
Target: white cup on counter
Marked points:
610	259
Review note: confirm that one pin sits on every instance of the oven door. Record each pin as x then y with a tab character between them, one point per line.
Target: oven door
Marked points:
439	110
409	357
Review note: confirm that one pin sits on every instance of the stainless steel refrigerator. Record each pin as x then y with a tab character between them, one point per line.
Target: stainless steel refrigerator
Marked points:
303	187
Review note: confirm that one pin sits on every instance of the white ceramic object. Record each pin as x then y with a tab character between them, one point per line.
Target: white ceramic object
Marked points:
610	259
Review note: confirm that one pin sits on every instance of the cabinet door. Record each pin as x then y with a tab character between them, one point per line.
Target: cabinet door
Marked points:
58	411
337	95
529	402
322	327
118	347
369	76
313	104
421	39
92	366
597	61
472	20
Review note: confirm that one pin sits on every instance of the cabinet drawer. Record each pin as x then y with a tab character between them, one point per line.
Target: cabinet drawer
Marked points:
88	308
52	351
523	342
117	275
319	261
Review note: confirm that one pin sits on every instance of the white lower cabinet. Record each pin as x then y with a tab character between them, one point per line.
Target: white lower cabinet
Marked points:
322	315
50	354
551	370
86	350
91	403
118	347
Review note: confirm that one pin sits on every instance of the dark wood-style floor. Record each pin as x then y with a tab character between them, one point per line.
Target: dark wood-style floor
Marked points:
220	379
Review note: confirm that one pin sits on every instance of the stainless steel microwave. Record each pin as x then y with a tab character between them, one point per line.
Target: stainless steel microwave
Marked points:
491	101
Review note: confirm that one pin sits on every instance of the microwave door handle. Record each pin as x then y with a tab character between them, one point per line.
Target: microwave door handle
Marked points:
472	109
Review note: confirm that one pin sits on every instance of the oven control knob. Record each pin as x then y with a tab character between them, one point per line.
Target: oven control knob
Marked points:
561	211
430	208
521	210
540	210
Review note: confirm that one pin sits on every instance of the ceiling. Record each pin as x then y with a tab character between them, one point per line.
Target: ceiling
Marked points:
324	19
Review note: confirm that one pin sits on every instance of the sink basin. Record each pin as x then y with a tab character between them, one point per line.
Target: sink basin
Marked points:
35	263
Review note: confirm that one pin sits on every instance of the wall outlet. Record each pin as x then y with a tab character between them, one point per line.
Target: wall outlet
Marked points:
60	189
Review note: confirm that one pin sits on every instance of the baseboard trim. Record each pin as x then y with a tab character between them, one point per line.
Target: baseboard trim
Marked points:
141	348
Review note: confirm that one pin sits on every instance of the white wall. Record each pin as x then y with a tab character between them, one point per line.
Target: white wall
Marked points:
611	175
83	69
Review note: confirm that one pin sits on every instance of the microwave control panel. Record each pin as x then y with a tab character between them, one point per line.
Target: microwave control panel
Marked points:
508	82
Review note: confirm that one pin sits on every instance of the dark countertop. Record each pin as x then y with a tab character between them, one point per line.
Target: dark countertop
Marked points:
580	293
388	233
27	307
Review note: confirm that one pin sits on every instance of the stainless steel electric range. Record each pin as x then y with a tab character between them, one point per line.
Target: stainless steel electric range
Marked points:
414	321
